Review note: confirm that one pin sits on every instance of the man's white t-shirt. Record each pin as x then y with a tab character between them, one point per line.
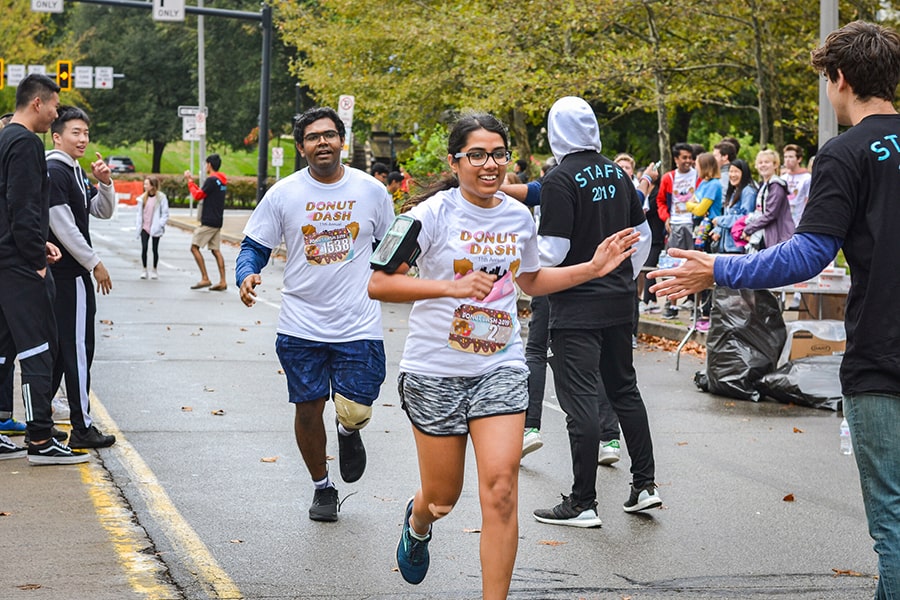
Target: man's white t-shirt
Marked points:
464	337
798	193
683	187
329	231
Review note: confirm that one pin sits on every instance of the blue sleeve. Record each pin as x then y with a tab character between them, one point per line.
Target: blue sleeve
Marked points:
533	196
801	257
251	259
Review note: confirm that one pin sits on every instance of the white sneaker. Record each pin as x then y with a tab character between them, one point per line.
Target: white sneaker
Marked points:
532	441
154	274
609	453
60	408
144	274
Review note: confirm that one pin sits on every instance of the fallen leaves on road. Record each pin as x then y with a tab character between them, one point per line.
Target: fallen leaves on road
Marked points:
667	345
30	586
846	573
104	322
788	498
269	459
219	412
471	530
208	389
243	329
797	430
552	543
237	541
187	408
681	444
5	514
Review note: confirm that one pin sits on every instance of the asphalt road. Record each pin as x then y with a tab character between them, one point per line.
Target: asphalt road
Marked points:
208	472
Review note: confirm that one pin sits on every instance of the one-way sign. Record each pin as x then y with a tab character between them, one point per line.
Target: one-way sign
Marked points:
188	111
168	10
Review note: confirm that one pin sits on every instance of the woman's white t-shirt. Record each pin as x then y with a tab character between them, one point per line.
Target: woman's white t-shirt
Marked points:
451	337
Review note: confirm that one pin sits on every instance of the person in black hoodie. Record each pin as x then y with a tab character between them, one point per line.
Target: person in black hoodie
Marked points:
27	325
73	200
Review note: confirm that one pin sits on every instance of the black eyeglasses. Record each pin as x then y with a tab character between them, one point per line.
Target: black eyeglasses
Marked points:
478	158
329	136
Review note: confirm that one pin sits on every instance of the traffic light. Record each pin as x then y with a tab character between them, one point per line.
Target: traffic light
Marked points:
64	74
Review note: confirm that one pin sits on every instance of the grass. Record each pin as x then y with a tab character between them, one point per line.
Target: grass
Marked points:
176	157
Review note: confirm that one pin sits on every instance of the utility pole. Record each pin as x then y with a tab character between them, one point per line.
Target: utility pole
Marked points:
828	22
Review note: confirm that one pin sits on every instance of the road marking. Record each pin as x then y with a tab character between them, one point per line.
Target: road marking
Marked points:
143	571
190	548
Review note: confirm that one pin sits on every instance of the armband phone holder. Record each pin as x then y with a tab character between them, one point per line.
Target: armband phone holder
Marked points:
400	245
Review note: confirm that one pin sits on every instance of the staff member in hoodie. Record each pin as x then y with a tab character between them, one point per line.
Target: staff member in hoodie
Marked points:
73	199
590	324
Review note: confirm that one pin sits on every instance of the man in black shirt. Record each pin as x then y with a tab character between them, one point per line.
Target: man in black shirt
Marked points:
209	233
27	325
586	198
853	204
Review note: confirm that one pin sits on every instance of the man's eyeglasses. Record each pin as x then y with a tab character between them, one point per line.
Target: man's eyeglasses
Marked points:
478	158
329	136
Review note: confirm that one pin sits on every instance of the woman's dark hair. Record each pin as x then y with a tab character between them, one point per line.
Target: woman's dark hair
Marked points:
733	194
456	141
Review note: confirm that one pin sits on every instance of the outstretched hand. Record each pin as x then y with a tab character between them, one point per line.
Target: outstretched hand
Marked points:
692	276
613	250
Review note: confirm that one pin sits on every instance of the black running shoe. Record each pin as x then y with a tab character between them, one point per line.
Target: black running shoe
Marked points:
642	499
352	456
90	438
566	513
325	505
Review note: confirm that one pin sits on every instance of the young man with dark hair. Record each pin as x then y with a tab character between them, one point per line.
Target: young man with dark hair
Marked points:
676	189
394	181
380	172
209	233
725	153
330	341
27	325
797	179
73	201
852	205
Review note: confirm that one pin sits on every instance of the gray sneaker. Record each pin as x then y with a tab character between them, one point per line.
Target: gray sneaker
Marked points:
642	499
52	452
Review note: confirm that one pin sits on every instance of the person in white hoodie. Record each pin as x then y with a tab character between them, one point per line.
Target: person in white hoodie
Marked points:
152	216
584	199
73	199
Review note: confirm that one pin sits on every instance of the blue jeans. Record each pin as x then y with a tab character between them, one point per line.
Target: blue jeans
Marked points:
874	425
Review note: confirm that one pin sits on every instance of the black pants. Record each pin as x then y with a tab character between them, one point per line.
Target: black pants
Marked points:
28	331
536	359
585	363
145	239
75	308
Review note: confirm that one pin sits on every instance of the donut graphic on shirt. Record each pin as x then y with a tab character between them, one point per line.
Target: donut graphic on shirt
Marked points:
476	328
329	246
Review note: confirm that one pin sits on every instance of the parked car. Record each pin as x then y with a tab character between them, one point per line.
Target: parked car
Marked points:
120	164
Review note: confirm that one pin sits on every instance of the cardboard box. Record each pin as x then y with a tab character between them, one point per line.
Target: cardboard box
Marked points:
804	343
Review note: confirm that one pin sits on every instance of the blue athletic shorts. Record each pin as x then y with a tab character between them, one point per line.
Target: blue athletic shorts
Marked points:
353	369
445	405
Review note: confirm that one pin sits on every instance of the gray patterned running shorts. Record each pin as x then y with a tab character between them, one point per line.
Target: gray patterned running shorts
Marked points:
445	405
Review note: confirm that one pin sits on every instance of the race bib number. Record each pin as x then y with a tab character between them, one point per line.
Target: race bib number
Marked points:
480	330
326	247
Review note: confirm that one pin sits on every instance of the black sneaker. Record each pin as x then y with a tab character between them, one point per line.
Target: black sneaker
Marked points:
670	313
566	513
9	450
325	505
352	456
642	499
90	438
53	452
57	434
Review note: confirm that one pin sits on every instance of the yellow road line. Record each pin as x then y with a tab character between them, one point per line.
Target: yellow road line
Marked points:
197	558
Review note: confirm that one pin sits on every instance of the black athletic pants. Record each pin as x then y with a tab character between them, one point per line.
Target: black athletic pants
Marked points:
75	308
28	331
585	363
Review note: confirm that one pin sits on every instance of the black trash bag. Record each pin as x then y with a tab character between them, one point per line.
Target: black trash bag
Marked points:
812	381
746	335
701	380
